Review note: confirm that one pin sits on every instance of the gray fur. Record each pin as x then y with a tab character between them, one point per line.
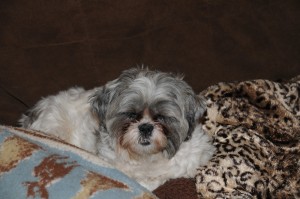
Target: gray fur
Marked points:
29	117
164	94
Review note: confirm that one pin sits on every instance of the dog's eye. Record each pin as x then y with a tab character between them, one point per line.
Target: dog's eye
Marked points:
159	118
164	119
132	115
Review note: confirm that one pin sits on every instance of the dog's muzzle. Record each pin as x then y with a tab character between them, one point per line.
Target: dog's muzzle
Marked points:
145	133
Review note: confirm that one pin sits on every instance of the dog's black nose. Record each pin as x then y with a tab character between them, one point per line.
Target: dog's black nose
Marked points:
146	129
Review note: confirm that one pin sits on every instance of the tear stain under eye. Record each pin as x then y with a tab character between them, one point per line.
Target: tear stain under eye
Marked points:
165	130
125	127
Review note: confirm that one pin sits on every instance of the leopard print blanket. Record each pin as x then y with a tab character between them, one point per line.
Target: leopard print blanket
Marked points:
256	130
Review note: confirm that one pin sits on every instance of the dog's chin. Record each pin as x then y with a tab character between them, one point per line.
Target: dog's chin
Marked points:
132	145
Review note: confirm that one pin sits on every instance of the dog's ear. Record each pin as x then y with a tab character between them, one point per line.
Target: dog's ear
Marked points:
103	97
195	109
100	101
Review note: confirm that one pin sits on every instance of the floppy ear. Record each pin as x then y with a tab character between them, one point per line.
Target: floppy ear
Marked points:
103	97
195	108
100	101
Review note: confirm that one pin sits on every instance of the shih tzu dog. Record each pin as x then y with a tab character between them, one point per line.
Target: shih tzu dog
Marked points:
145	122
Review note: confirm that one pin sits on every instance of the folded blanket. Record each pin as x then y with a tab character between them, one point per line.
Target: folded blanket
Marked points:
256	129
34	165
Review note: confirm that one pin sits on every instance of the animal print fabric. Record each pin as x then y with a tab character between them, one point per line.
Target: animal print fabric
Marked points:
256	130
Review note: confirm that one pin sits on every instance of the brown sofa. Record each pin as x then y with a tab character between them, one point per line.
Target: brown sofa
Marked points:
47	46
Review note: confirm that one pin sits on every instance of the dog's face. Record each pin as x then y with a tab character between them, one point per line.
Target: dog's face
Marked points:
147	112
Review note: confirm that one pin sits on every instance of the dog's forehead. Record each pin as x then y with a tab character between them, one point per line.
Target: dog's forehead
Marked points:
156	105
157	86
160	91
138	102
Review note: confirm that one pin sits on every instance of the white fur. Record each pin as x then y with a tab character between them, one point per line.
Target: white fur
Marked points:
68	116
152	172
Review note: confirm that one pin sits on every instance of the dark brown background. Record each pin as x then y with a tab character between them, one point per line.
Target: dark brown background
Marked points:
51	45
47	46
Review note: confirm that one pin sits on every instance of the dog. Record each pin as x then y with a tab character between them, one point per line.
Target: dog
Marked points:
146	123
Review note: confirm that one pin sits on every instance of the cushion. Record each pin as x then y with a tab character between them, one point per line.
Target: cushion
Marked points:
34	165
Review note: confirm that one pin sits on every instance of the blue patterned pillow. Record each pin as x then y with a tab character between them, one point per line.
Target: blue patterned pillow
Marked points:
35	165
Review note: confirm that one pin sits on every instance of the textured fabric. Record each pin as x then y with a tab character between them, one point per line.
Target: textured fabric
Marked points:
33	165
181	188
256	129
